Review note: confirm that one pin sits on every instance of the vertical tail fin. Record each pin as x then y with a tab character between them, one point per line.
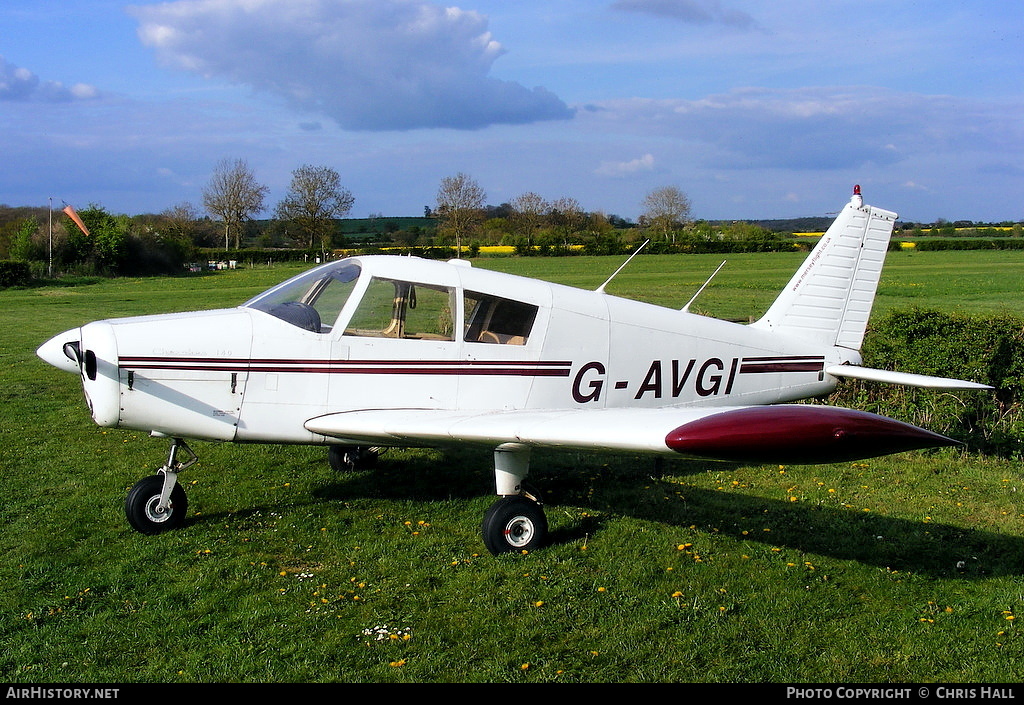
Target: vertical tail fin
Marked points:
829	299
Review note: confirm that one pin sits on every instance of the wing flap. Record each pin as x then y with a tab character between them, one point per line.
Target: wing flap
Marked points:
632	430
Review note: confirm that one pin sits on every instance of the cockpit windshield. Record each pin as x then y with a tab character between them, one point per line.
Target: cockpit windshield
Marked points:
311	300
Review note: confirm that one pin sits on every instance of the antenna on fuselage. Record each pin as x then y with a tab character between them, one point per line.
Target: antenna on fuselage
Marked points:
686	308
600	289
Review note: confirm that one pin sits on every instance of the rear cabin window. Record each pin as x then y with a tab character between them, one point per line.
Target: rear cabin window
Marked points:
401	309
492	319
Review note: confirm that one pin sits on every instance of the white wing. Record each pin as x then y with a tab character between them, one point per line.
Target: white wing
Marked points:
786	433
635	430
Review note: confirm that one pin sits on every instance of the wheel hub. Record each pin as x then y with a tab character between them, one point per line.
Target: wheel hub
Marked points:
519	531
156	513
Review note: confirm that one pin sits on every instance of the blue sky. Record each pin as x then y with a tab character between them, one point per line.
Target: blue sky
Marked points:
754	109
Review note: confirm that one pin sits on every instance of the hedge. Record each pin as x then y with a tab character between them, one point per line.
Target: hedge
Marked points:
980	348
14	273
925	244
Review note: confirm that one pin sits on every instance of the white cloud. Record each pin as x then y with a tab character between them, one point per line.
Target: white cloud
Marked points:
627	168
20	84
689	11
815	127
368	64
914	186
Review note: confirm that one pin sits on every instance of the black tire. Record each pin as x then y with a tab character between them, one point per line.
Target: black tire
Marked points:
140	506
348	458
514	524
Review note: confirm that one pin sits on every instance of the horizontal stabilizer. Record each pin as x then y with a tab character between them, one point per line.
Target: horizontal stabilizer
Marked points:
905	379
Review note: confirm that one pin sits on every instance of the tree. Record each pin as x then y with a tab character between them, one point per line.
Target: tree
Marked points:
21	246
314	199
460	207
105	248
233	195
181	221
567	217
666	209
527	215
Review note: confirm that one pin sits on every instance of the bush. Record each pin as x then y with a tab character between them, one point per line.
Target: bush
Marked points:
924	245
255	256
14	273
980	348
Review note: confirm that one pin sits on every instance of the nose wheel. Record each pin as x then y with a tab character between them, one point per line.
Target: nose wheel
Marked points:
158	503
145	511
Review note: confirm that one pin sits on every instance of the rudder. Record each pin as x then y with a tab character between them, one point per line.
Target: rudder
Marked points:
829	299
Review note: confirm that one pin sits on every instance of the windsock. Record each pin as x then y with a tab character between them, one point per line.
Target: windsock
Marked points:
70	212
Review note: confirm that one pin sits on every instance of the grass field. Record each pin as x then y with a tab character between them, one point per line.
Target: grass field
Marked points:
899	569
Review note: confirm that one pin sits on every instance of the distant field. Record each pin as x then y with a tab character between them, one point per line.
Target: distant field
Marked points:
906	569
978	281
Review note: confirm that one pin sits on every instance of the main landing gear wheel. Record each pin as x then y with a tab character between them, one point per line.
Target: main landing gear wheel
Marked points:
514	523
348	458
142	506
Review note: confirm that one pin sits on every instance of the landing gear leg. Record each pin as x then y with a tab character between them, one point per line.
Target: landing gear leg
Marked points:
516	521
158	503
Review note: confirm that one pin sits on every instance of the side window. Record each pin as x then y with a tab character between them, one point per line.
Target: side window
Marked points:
400	309
492	319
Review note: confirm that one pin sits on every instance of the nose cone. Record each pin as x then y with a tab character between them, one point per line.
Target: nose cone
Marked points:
62	351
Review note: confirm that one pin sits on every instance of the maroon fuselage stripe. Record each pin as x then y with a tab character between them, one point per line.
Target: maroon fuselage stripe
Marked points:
390	367
793	363
542	368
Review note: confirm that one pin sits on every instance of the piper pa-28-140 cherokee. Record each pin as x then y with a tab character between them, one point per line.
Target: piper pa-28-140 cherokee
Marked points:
372	352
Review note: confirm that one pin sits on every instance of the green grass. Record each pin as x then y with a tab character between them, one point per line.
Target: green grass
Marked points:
899	569
971	282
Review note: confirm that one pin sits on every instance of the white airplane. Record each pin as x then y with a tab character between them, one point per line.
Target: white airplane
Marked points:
373	352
